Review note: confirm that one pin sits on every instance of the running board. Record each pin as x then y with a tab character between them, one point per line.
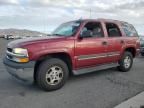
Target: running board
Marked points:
96	68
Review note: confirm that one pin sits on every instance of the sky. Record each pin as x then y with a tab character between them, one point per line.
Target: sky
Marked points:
46	15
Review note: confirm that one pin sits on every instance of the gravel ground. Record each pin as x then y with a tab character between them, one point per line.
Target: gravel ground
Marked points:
101	89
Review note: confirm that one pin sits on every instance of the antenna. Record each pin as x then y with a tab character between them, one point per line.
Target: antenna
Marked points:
90	12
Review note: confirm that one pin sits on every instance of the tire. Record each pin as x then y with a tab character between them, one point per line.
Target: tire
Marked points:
126	66
52	74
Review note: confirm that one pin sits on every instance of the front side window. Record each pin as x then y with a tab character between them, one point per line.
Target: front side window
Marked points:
92	29
113	30
129	30
67	29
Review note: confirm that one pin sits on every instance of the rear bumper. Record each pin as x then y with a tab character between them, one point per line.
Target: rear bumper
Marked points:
21	71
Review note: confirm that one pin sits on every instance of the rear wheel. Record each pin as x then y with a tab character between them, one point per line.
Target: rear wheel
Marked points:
126	62
52	74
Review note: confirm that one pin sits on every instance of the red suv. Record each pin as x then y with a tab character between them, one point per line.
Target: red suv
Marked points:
76	47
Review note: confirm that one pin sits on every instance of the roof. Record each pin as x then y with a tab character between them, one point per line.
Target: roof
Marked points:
102	19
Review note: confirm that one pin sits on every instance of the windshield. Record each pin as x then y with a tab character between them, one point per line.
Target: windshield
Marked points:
67	29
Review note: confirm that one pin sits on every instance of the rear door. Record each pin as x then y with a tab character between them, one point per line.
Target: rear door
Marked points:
115	41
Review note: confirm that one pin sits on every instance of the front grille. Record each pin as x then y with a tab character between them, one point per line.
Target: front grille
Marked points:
10	57
9	49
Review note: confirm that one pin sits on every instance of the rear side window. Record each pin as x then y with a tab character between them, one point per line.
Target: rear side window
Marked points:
129	30
113	30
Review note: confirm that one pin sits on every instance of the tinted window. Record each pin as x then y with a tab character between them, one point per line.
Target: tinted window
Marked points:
94	29
113	30
129	30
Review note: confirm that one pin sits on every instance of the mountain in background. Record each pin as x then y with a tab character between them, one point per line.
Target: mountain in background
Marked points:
20	32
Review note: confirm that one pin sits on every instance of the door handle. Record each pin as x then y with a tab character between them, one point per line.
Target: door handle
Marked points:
104	43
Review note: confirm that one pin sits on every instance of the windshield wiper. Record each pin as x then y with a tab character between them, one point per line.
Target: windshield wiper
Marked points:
57	34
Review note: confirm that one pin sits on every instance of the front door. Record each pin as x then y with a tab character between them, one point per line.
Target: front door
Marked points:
90	49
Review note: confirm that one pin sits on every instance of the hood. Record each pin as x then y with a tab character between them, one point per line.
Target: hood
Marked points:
23	42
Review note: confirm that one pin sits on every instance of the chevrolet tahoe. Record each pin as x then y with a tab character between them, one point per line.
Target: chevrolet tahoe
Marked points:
75	47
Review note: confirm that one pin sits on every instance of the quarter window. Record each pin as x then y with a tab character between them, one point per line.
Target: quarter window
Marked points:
129	30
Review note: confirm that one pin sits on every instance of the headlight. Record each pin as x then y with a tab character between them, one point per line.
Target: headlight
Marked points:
18	55
20	51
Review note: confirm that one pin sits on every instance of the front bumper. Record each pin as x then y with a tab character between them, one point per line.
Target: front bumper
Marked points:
21	71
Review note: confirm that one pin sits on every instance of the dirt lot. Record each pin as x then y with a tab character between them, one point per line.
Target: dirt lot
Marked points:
102	89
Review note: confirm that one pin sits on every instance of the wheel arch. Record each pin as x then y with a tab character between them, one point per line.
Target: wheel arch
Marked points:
132	50
61	55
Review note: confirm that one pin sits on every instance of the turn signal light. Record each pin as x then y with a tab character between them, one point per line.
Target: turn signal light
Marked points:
23	60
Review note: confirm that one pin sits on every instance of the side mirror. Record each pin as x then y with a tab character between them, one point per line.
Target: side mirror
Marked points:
86	34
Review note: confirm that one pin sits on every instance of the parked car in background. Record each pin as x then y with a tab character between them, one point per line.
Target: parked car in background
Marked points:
142	45
1	36
75	47
9	37
17	37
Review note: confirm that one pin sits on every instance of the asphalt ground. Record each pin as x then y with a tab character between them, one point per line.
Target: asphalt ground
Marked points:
101	89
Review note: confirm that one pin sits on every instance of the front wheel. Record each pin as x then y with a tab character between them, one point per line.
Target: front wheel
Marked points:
126	62
52	74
